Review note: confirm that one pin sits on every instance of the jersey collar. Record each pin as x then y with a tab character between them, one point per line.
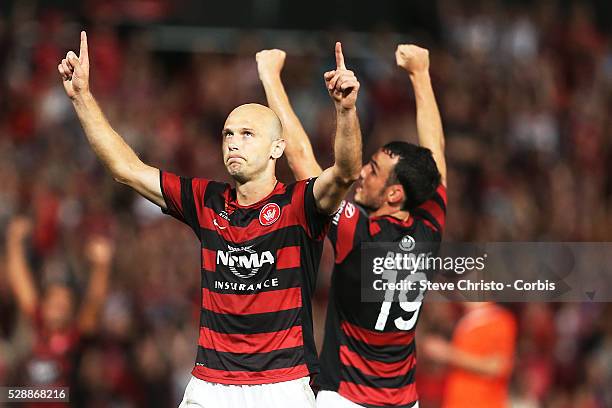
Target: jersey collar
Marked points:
231	203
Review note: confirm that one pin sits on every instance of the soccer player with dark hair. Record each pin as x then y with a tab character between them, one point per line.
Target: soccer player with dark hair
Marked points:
368	357
261	241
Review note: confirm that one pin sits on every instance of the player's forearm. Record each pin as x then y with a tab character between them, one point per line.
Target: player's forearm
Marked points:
110	148
429	122
485	365
332	185
299	150
347	146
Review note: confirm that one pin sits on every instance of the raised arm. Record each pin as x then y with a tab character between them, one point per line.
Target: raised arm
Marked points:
415	60
123	164
333	184
299	150
100	255
19	273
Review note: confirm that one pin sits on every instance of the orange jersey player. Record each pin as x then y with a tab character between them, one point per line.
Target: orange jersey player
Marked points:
480	357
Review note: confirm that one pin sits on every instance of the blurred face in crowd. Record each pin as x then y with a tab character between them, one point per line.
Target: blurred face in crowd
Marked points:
58	306
252	141
373	189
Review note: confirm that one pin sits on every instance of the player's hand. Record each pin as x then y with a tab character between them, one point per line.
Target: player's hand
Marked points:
435	348
412	58
270	62
75	70
100	251
341	83
18	229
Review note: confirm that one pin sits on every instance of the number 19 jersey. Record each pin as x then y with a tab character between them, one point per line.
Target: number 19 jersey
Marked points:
368	353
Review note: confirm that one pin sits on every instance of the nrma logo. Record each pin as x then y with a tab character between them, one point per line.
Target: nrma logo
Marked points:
244	262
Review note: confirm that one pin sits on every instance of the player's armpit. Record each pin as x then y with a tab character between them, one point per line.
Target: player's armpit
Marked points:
329	190
145	180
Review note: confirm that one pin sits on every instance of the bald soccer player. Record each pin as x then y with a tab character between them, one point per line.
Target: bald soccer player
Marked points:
261	241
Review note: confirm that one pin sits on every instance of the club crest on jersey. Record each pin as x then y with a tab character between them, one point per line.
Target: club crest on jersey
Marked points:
269	214
244	262
407	243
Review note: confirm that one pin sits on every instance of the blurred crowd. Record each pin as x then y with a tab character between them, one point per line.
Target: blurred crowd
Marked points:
525	95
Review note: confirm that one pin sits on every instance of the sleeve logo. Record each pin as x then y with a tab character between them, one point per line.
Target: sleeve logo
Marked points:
349	210
269	214
338	213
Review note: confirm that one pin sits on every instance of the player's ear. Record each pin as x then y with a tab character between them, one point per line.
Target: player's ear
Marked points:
278	147
395	194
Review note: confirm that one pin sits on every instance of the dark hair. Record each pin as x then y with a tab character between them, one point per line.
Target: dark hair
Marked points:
415	170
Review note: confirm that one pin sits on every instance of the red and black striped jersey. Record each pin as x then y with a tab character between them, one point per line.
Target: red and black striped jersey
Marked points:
368	353
258	268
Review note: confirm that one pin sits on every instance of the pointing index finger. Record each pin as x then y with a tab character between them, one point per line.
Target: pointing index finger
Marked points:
339	56
83	53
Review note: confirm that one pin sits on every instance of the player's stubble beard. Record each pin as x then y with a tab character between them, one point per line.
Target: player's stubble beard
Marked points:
370	202
241	173
236	171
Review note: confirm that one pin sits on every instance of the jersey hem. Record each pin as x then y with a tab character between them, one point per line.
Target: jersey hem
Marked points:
255	381
366	405
326	386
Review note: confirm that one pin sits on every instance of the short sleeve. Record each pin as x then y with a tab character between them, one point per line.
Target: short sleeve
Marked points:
315	222
181	195
433	211
349	227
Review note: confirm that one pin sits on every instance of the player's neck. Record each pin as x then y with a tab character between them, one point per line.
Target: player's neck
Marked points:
255	190
387	210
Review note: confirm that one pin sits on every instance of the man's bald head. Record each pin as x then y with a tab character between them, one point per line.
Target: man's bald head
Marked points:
259	117
252	141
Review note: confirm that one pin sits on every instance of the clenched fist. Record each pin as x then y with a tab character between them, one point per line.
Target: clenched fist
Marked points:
412	58
100	250
342	83
270	62
18	229
75	70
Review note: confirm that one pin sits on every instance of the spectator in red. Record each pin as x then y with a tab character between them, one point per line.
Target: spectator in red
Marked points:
56	322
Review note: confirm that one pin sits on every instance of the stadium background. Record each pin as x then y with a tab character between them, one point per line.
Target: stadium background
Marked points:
525	90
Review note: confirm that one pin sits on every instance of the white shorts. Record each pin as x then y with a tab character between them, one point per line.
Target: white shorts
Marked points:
204	394
331	399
